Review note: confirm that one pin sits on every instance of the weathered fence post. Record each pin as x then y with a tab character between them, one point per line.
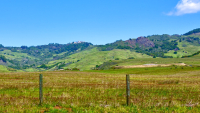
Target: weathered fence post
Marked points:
40	89
128	90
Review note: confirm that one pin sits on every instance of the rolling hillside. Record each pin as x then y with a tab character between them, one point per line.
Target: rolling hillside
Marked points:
88	59
185	48
85	56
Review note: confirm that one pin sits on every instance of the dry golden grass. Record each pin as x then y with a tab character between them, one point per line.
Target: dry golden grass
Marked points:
99	92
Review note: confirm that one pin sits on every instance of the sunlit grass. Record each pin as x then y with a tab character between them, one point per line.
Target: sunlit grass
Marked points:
158	89
189	49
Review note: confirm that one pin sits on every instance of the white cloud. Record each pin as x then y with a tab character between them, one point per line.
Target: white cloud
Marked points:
186	7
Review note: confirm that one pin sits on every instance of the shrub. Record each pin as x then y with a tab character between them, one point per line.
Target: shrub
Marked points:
116	58
3	58
131	58
43	66
75	68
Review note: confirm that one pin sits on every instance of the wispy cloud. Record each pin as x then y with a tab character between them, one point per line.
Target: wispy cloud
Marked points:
186	7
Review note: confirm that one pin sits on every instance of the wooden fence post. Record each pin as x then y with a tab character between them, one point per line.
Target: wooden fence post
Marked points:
127	90
40	89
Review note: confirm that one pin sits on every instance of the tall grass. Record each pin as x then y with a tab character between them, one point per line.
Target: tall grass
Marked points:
151	91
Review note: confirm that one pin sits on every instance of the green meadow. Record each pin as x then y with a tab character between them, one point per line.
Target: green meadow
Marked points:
155	89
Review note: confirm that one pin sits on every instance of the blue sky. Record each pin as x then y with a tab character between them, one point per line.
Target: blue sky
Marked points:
38	22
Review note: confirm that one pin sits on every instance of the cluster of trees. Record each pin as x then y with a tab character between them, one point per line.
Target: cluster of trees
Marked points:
160	48
193	31
119	44
192	40
105	65
47	51
131	58
163	43
58	65
124	47
1	46
43	54
3	58
191	55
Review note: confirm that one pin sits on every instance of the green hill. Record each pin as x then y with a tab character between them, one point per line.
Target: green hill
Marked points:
185	48
88	59
28	58
84	55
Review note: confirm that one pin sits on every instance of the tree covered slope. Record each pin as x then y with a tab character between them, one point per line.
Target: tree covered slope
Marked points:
84	55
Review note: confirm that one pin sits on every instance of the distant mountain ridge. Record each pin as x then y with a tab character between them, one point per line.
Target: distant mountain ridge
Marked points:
37	58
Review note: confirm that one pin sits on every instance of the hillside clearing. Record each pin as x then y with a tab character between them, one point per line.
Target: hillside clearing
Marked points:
149	65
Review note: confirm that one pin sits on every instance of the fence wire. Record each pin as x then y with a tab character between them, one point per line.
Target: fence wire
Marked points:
92	89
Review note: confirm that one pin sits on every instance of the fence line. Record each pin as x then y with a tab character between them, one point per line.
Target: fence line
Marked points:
98	90
41	88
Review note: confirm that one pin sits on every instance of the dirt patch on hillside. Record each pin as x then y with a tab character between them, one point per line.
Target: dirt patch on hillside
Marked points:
196	33
150	65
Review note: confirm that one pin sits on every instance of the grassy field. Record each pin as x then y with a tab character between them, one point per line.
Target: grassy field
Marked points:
157	89
3	69
191	61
